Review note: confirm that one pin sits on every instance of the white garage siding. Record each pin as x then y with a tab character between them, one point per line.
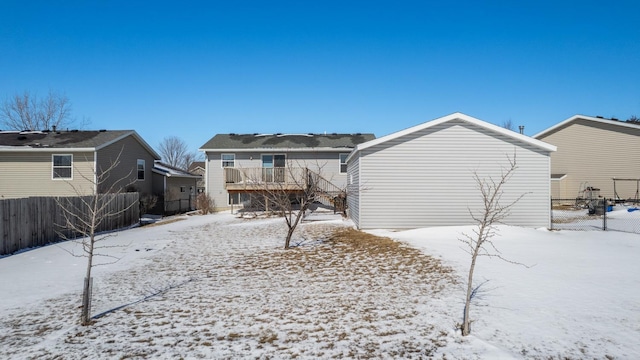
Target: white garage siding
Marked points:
353	189
425	178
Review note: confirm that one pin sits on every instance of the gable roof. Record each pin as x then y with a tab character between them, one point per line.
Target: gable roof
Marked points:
196	165
74	140
302	142
599	120
452	117
172	171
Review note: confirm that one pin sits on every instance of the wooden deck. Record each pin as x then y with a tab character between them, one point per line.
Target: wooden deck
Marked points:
260	179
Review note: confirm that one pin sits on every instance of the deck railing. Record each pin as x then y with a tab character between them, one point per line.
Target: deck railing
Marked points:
254	178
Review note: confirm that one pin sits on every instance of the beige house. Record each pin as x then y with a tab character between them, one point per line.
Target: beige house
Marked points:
67	163
198	168
175	188
592	151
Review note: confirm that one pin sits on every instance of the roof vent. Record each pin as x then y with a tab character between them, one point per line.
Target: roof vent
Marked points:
22	137
599	117
102	130
278	134
614	119
232	134
74	130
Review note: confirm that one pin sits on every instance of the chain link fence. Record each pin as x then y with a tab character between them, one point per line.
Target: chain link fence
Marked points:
595	214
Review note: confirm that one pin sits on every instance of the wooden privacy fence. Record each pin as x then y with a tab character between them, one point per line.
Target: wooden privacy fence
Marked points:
36	221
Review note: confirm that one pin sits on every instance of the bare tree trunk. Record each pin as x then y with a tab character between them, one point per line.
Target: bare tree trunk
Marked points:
84	218
493	212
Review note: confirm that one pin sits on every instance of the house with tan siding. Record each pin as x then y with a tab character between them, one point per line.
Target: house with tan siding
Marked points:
592	151
239	165
424	175
175	188
67	163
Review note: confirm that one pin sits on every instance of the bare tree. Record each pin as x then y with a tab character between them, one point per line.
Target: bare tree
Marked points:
83	217
290	192
28	112
480	243
175	152
508	124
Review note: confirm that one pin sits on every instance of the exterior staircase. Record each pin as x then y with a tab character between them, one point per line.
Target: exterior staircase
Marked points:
326	192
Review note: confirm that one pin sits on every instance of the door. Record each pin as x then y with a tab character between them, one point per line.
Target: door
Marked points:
273	168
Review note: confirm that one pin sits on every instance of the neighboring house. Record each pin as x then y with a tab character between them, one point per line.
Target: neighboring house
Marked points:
591	152
175	188
64	163
424	175
237	165
198	167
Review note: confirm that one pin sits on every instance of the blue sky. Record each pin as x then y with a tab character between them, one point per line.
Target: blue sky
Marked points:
194	69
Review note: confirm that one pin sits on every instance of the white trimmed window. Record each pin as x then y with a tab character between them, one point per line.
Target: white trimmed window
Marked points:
141	168
238	198
62	167
228	160
343	163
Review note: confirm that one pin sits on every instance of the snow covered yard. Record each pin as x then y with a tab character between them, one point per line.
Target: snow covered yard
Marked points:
232	292
225	289
580	299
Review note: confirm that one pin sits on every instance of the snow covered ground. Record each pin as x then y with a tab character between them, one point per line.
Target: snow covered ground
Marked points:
221	287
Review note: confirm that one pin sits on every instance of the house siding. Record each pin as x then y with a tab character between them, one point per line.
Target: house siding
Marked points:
426	178
325	162
353	189
27	174
592	153
125	174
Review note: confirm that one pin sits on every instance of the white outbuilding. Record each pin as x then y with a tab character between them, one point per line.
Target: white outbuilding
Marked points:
424	175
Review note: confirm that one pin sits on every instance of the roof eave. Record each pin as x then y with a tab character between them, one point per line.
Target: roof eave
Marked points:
447	118
137	137
584	117
274	149
43	149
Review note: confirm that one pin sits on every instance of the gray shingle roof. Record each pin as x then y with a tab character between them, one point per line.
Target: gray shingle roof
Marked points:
168	170
74	139
279	141
60	139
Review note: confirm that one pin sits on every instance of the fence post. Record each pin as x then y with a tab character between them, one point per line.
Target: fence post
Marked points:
604	214
551	214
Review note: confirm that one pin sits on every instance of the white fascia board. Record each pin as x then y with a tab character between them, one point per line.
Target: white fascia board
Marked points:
588	118
281	150
43	149
455	116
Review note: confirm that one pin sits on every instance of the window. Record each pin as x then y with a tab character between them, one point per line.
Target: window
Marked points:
140	169
183	189
228	160
343	163
62	167
238	198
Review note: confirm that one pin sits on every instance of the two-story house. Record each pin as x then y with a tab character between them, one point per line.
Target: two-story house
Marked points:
69	163
238	164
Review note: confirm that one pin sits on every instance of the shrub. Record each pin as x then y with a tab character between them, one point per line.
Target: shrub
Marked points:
205	203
